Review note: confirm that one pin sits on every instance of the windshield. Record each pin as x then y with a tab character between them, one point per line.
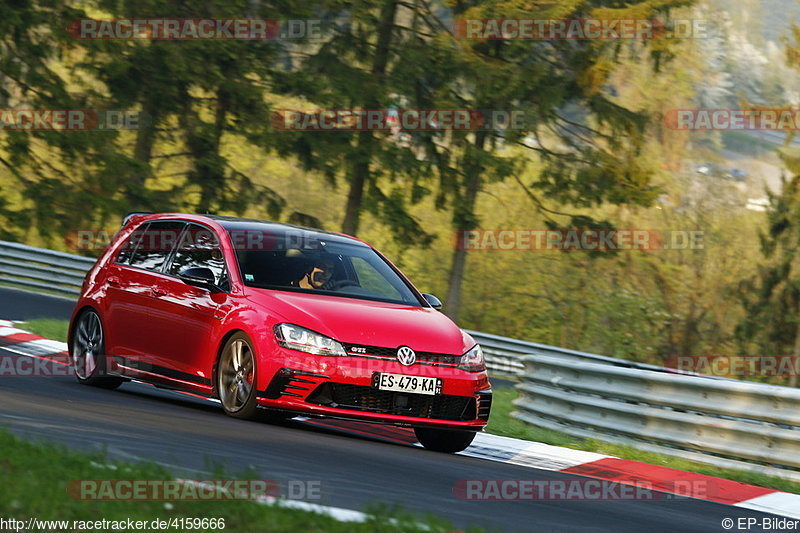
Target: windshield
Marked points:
336	269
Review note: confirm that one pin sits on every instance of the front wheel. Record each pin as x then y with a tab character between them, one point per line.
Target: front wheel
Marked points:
88	353
444	440
236	378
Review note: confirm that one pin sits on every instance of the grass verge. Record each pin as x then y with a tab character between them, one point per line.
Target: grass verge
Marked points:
37	475
49	328
502	423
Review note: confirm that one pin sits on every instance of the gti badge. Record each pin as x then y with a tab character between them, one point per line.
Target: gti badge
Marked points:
406	356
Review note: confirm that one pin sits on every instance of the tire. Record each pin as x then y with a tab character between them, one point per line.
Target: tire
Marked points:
88	352
236	378
444	440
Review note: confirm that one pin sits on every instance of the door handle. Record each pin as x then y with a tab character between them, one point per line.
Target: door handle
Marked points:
113	280
159	292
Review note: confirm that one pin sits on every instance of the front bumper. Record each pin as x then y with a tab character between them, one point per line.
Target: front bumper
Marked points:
342	387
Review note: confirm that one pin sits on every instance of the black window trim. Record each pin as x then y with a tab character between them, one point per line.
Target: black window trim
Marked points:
127	240
168	263
146	225
164	270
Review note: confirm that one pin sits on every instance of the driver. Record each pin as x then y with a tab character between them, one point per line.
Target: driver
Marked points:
320	274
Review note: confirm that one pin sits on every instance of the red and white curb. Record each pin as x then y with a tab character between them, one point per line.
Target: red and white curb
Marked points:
661	478
24	343
501	449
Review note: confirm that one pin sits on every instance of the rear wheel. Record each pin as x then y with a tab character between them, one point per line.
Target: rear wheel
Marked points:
236	378
89	354
444	440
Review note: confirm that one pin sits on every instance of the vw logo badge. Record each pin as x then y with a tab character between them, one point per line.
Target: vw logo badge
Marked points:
406	356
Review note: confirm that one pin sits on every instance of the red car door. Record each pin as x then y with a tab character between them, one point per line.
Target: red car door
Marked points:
131	287
186	316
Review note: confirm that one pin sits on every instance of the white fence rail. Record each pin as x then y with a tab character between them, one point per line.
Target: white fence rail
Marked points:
727	423
504	355
723	422
41	269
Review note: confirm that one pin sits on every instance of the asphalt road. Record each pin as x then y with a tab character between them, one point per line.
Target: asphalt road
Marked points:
24	305
139	422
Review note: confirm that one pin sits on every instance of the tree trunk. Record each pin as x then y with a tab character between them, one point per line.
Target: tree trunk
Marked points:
359	173
143	153
360	169
464	219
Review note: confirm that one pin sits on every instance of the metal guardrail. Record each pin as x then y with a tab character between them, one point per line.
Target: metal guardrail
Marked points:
727	423
505	355
38	268
718	421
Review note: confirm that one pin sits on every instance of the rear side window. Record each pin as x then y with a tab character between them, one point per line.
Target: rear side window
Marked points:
199	247
127	249
156	242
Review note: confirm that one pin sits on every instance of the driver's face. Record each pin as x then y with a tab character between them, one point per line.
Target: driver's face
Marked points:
321	275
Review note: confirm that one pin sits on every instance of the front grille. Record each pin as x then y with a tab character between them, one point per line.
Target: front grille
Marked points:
360	398
287	379
422	357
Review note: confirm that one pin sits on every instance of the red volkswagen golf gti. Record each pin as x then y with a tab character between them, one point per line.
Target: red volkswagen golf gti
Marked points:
267	316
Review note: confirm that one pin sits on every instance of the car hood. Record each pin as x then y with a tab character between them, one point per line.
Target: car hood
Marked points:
366	322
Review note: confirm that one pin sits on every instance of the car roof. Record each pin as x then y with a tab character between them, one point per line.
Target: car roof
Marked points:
230	224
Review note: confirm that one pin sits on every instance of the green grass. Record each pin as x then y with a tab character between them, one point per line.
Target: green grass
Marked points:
36	476
502	423
49	328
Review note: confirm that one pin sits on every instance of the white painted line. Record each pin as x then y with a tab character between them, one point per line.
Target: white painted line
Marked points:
527	453
6	323
548	457
337	513
496	442
40	347
7	330
53	346
26	353
780	503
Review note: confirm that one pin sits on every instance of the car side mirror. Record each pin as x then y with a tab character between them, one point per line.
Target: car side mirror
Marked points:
432	300
199	277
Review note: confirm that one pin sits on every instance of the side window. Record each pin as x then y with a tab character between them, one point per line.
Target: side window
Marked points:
130	245
199	247
371	279
156	243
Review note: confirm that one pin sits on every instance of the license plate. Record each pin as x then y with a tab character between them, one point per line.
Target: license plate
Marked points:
403	383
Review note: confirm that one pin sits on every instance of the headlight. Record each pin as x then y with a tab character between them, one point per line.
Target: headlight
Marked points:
472	361
305	340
